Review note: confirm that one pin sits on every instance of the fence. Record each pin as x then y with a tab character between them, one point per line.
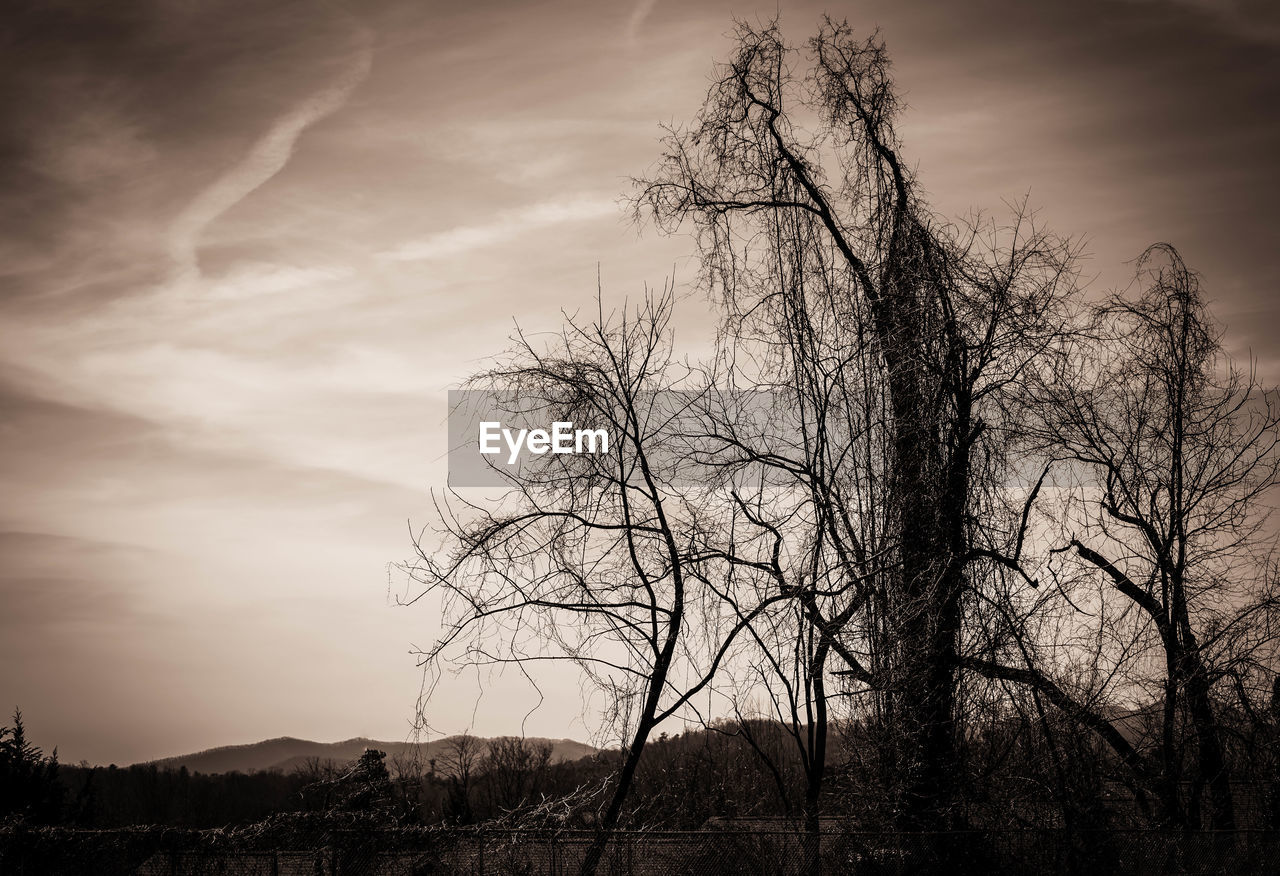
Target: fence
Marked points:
690	853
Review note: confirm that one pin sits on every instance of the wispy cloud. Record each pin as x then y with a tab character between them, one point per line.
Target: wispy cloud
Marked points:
509	224
641	12
265	159
263	278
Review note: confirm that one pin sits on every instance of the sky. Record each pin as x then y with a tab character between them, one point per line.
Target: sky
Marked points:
247	248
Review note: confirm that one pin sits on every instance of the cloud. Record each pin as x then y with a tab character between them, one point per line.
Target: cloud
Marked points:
47	578
456	241
266	158
99	141
260	278
638	15
1252	20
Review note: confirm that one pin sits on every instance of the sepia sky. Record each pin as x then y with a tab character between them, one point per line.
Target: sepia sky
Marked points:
246	248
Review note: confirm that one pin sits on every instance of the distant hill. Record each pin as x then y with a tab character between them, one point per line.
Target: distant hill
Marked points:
286	753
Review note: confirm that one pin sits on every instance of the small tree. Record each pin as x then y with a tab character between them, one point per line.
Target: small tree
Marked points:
460	763
364	786
514	770
29	786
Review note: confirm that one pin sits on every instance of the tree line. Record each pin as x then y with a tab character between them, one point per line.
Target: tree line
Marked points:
683	782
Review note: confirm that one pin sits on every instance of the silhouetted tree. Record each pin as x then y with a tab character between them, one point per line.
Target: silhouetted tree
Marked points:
819	237
1168	451
514	770
842	513
604	560
460	763
30	789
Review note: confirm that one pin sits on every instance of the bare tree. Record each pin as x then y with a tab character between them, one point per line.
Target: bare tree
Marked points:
1182	447
822	233
514	769
790	669
460	764
601	560
848	498
1170	450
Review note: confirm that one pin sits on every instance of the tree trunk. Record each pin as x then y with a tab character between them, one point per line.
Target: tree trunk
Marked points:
610	820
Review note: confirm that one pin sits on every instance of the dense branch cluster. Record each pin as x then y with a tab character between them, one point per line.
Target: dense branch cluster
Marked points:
924	495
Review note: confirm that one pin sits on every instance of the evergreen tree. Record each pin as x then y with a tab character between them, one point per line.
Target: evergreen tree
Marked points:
29	786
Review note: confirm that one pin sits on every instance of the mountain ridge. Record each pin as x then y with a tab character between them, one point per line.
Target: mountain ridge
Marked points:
286	753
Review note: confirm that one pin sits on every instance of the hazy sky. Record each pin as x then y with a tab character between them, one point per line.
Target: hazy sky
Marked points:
246	247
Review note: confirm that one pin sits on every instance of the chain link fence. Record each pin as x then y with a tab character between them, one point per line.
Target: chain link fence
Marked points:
459	852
